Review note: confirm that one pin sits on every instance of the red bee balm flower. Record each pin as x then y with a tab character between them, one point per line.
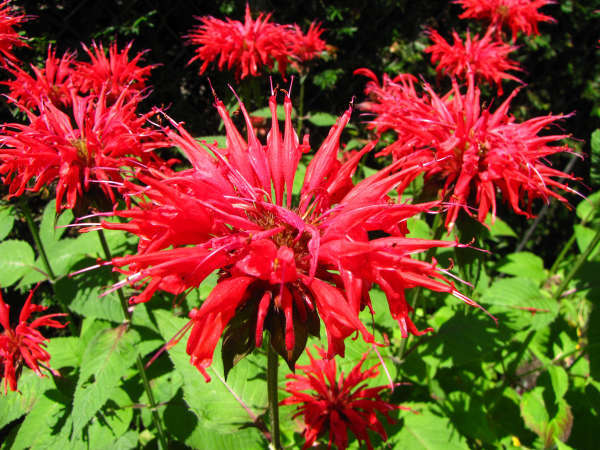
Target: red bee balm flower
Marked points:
92	146
487	59
337	405
53	82
254	44
23	343
475	151
518	15
285	257
115	72
9	37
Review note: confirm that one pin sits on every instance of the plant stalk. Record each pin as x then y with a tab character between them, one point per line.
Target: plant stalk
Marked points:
44	256
272	368
138	362
582	258
438	230
301	79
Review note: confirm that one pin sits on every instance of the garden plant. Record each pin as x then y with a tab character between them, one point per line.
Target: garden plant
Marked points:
325	224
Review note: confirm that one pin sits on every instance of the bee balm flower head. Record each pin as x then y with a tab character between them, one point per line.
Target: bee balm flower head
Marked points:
287	256
336	405
24	343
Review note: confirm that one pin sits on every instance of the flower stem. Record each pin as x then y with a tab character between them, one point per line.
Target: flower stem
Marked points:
44	256
438	230
272	366
138	362
582	258
301	79
570	243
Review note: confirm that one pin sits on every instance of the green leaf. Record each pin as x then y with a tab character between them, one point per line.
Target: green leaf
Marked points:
584	236
499	228
42	425
106	359
112	422
322	119
524	264
16	259
266	112
7	220
64	352
83	292
520	299
214	403
589	207
220	141
536	416
595	158
50	231
559	380
15	404
427	431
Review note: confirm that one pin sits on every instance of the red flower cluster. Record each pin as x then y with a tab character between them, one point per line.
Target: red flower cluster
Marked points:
286	258
9	37
60	78
83	126
91	146
473	152
518	15
336	405
485	57
23	343
254	44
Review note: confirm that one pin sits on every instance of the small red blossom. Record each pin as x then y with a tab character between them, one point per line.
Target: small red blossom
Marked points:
10	20
517	15
115	73
475	152
306	46
24	343
335	405
89	146
253	45
486	58
286	259
54	82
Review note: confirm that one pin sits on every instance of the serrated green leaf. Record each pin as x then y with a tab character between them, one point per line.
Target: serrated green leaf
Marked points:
64	352
41	426
16	259
83	294
7	220
105	360
524	264
426	431
111	422
536	416
213	403
523	303
15	404
595	158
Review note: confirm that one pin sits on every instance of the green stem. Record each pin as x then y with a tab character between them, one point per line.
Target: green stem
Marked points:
582	258
46	262
138	362
301	104
438	230
272	366
569	244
